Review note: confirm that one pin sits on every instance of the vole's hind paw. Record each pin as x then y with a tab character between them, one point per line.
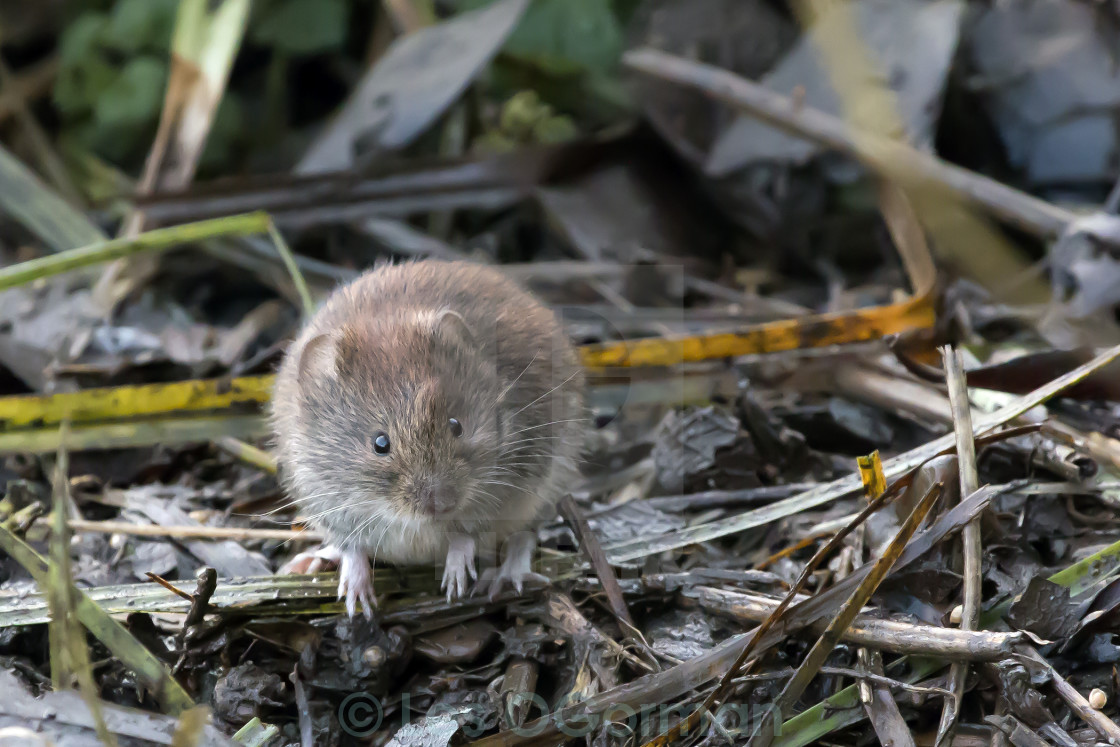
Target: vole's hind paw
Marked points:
517	569
459	565
355	584
325	558
497	579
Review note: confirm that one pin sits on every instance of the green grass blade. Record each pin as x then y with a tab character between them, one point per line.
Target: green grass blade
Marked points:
42	212
130	652
159	239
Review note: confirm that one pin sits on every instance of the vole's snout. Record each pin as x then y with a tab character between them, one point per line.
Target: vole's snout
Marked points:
435	498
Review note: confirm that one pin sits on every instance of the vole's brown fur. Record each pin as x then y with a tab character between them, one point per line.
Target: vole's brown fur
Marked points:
401	351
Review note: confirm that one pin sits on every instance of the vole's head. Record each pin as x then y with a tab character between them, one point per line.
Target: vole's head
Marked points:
399	421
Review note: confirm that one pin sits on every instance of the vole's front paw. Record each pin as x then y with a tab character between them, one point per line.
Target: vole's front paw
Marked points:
355	583
459	565
325	558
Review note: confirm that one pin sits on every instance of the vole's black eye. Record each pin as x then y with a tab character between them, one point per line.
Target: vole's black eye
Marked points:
456	427
381	442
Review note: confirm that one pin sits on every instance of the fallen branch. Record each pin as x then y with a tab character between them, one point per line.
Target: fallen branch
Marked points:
194	532
1017	208
894	636
970	537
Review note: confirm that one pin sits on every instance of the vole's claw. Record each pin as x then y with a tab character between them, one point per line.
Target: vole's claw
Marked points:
516	570
533	578
458	566
355	583
325	558
454	579
495	580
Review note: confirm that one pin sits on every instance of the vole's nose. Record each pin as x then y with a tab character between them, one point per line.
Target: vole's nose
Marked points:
436	499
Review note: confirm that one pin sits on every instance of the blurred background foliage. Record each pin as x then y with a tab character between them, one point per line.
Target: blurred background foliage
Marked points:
297	63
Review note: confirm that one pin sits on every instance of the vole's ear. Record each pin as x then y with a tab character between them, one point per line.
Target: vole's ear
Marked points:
319	358
452	324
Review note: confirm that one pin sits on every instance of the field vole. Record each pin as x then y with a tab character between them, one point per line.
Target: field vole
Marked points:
428	412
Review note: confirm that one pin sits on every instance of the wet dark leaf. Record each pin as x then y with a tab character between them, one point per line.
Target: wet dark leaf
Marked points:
687	443
459	644
632	519
247	691
1019	690
427	732
1016	731
680	635
1101	649
843	426
1045	609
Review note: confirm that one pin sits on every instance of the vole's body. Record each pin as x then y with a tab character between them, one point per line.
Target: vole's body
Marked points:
428	409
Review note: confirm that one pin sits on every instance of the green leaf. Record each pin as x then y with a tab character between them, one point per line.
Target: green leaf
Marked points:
139	25
525	118
302	27
81	38
134	97
565	37
78	87
554	130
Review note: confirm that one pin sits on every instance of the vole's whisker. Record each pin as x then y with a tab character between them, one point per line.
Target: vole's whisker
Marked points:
508	465
378	514
508	485
279	509
320	496
526	441
475	495
327	512
493	501
550	391
529	451
529	439
377	545
295	504
553	422
510	385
